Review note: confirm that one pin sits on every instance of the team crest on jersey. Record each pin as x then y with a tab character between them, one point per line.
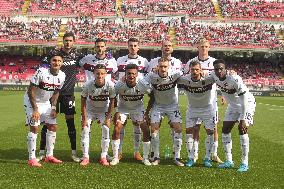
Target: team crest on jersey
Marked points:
139	62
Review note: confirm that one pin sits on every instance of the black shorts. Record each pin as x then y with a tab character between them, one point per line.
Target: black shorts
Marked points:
66	104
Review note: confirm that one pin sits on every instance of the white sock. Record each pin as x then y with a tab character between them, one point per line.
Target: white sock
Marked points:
214	148
155	142
105	141
121	135
227	144
245	148
189	145
177	144
195	147
136	138
50	142
146	149
85	141
208	145
31	142
115	146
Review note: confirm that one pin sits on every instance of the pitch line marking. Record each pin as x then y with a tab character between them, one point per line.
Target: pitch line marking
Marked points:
271	105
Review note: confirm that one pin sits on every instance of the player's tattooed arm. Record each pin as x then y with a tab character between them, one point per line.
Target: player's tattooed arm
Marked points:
84	111
53	101
31	93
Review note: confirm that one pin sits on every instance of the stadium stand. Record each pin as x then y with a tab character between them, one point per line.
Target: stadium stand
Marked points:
10	7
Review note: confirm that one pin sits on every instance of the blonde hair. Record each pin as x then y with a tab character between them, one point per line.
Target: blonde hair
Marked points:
203	40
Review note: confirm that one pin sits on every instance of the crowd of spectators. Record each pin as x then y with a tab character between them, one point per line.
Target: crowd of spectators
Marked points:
73	7
194	8
235	34
10	7
252	8
45	29
150	33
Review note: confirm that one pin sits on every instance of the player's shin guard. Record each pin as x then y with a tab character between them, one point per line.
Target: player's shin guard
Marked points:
71	132
50	142
121	136
146	149
208	145
43	137
244	139
214	148
155	142
85	141
177	144
31	142
105	141
136	138
227	144
189	145
115	146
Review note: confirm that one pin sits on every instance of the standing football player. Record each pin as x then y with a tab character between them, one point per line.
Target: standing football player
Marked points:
142	63
40	106
241	108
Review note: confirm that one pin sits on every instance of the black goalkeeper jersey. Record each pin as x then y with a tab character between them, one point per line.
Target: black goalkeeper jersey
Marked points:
69	67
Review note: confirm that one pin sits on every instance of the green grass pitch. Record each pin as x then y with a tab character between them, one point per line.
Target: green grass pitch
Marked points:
266	155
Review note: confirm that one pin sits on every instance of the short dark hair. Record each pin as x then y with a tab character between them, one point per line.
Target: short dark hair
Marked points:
219	61
131	66
69	34
133	39
194	63
163	60
98	40
100	66
53	55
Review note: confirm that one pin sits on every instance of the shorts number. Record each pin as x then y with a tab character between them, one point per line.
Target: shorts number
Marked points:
177	113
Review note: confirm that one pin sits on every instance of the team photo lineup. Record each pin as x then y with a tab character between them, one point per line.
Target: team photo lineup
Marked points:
143	93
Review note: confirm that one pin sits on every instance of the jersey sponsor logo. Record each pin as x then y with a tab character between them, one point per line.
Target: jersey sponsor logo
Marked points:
121	68
99	98
225	90
164	87
191	89
69	63
48	86
132	97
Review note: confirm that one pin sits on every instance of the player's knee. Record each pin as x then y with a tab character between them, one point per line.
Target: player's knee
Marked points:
52	128
34	129
116	118
189	130
243	130
209	131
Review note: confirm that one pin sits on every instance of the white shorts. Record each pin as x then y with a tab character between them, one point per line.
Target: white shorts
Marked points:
172	112
135	115
93	116
44	111
234	115
197	115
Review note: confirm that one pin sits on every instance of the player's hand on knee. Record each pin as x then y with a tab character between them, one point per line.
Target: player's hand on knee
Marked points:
53	114
35	115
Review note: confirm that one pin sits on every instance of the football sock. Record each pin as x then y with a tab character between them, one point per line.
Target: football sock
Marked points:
146	149
71	132
136	138
214	148
155	142
227	144
177	144
244	139
105	141
208	145
189	145
115	146
195	147
31	142
50	141
85	141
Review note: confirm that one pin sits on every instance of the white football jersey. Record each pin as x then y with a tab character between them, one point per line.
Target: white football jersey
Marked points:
131	98
98	97
46	83
141	62
175	64
164	89
231	88
89	62
198	92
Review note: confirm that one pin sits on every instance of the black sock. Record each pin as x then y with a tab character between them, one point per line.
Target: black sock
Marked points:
43	137
71	133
